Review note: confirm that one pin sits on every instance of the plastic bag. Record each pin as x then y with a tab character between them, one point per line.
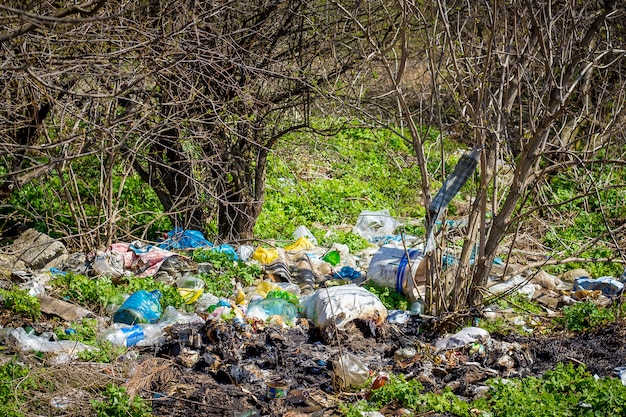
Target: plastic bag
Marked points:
349	371
370	224
463	338
263	309
25	342
343	304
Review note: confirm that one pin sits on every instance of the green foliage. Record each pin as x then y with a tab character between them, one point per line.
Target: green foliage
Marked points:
580	216
502	326
312	179
519	303
99	292
389	297
106	353
408	394
584	316
15	381
354	242
46	198
220	281
21	303
400	391
118	403
565	391
356	409
83	330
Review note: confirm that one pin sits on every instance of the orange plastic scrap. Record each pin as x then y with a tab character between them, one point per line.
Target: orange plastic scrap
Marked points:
265	256
301	244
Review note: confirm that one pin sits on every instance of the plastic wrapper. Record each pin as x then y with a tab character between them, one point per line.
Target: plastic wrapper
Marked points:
371	224
341	305
463	338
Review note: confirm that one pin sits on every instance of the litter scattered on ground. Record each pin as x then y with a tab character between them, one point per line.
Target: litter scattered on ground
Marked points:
302	334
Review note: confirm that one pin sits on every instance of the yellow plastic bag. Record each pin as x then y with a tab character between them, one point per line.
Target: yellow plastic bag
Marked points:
264	287
265	256
301	244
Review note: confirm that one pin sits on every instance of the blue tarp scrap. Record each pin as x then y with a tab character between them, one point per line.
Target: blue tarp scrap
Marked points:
185	239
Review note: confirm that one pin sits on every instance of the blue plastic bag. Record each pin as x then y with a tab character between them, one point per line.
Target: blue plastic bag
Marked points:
184	239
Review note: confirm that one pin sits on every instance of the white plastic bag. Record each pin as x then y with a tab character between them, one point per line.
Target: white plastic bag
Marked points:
371	224
341	305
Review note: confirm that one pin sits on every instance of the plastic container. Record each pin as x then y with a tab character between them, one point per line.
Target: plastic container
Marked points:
141	307
276	389
122	335
391	268
190	288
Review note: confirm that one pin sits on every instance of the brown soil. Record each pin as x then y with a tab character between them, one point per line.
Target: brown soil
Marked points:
229	379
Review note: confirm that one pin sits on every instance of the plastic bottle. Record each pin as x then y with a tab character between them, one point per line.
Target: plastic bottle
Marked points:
123	336
141	307
190	288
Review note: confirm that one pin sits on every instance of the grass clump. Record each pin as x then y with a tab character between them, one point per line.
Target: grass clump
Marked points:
584	316
564	391
98	293
226	271
15	382
118	403
21	303
389	297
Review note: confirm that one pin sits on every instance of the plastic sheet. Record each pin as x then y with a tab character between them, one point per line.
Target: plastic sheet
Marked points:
184	239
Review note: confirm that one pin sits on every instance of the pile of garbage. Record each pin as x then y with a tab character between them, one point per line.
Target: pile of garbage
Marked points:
305	331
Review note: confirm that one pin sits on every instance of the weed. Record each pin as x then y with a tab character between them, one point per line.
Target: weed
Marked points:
584	316
220	281
118	403
389	297
353	241
100	292
564	391
15	381
21	303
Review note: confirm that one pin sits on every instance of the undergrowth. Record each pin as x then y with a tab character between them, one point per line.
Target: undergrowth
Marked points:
563	392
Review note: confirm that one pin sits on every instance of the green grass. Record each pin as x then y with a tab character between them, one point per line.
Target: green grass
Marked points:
563	392
15	383
329	181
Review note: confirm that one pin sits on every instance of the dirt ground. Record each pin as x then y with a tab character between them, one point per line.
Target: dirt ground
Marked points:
229	378
223	369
